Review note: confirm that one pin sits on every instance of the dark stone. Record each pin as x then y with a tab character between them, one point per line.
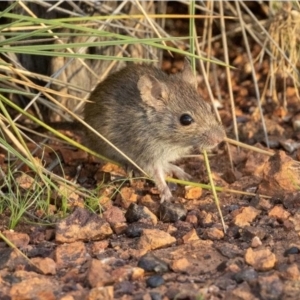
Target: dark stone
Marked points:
136	212
135	229
151	263
249	232
155	296
292	250
171	212
248	275
155	281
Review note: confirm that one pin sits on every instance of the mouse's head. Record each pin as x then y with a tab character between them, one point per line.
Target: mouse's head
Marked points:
176	109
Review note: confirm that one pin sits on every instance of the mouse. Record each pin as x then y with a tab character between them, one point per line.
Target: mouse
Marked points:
153	117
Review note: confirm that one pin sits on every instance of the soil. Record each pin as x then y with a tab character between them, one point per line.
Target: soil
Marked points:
135	248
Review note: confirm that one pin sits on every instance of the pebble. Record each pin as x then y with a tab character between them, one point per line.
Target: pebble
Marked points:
100	293
215	233
20	240
192	192
292	250
180	265
248	275
249	232
270	287
154	239
171	212
246	216
136	212
289	271
135	229
82	225
261	260
155	296
45	264
256	242
279	213
150	263
70	255
190	236
155	281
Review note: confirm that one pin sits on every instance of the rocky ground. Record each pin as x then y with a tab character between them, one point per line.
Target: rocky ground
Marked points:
135	248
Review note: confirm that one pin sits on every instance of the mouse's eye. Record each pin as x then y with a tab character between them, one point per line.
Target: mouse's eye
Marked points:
186	120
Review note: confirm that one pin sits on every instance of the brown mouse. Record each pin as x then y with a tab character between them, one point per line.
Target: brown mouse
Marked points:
154	118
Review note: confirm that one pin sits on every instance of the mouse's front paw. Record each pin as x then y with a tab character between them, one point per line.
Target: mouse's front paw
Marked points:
165	195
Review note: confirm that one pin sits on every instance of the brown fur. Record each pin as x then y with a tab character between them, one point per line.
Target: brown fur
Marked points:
138	109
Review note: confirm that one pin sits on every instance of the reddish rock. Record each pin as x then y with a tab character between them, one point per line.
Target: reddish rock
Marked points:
261	260
215	233
99	274
20	240
190	236
70	255
192	192
46	265
40	288
154	239
115	217
101	293
82	225
246	216
279	213
180	265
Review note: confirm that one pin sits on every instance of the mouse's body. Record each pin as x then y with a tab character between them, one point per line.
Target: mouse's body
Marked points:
154	118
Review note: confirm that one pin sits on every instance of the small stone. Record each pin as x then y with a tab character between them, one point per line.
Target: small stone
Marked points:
98	274
242	292
156	296
116	219
270	287
155	281
137	273
151	263
35	288
289	271
256	242
192	192
248	275
180	265
229	250
82	225
136	229
124	288
70	255
171	212
46	265
124	273
249	232
215	233
205	219
20	240
246	216
154	239
101	293
98	247
190	236
191	218
136	212
225	283
295	219
261	260
292	250
128	196
279	213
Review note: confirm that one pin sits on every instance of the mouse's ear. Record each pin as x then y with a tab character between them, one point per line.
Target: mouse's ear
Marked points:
153	92
188	74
